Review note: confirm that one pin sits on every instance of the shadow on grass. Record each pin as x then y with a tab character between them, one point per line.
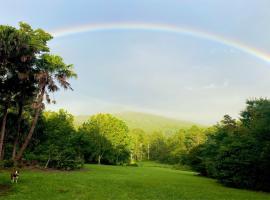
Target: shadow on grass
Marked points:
5	189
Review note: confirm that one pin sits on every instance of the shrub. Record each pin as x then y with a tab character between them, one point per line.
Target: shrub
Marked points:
7	164
69	164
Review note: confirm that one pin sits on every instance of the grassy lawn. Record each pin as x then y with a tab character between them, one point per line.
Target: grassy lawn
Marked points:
149	181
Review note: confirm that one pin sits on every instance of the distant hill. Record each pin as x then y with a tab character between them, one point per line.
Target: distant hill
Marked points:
148	122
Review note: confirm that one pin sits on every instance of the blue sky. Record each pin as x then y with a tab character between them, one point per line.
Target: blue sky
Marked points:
163	73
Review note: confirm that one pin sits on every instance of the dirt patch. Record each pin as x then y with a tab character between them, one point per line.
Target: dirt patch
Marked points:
4	189
41	169
62	190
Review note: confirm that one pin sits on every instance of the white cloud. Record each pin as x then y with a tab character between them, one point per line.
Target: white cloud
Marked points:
225	84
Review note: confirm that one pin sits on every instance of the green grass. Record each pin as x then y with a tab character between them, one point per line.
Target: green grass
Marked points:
148	122
149	181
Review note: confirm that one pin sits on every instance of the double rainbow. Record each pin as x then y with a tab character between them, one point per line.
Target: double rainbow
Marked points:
167	29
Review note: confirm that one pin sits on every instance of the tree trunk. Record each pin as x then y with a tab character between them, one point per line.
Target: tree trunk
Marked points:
99	159
29	136
48	161
131	157
3	152
117	160
148	152
3	130
18	131
33	125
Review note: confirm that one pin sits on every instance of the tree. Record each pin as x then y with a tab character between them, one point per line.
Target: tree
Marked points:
237	153
139	144
56	147
110	139
158	147
28	73
193	137
26	91
18	49
177	148
8	44
52	70
99	143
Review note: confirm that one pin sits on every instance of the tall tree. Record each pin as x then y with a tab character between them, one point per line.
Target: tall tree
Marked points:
19	49
52	74
27	74
139	144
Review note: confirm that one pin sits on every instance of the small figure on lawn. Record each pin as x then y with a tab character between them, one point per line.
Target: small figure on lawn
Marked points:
14	176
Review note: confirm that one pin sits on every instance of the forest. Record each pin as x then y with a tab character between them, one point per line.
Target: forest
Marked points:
236	152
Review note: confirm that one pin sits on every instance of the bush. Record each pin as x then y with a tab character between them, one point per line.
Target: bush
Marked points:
7	164
69	164
196	160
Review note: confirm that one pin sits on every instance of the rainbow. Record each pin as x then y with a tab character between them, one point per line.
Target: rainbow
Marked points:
164	28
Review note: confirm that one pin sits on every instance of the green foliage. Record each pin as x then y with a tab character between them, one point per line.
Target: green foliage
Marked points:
173	149
109	139
237	153
19	50
55	146
163	146
139	144
158	147
28	73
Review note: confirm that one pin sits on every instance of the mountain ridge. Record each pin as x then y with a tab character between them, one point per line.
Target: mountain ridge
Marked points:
146	121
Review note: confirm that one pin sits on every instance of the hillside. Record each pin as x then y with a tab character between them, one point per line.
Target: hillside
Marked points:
145	121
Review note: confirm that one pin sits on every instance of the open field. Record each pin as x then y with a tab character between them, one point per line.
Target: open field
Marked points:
149	181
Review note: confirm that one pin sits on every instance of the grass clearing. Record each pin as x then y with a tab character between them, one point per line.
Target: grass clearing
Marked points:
149	181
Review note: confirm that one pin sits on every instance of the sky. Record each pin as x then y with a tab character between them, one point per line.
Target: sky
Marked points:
178	75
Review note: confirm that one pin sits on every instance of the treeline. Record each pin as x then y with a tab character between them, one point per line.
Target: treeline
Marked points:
104	139
52	143
237	153
57	144
161	147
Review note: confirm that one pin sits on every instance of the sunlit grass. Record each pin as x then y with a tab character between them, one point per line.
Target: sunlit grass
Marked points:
149	181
